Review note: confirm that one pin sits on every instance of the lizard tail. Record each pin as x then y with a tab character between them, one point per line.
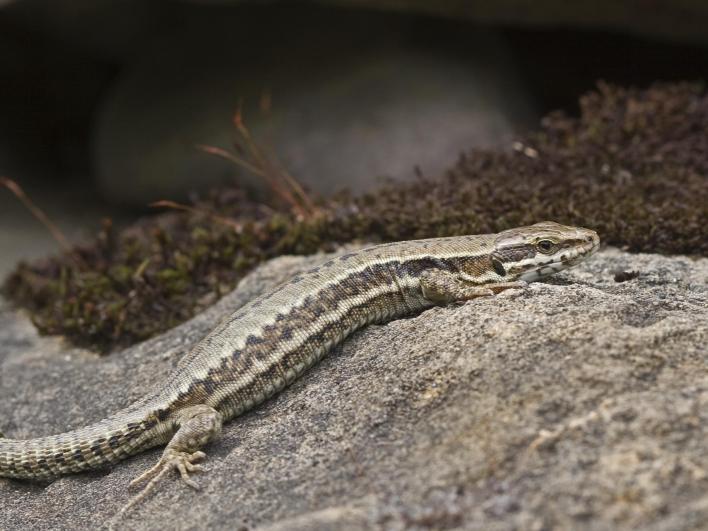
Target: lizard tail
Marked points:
88	448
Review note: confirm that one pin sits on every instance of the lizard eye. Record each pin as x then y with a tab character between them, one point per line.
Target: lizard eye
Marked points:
545	246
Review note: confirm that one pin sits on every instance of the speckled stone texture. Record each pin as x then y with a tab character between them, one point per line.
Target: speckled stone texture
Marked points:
578	403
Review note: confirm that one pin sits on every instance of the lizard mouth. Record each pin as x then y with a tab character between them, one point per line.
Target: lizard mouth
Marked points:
589	247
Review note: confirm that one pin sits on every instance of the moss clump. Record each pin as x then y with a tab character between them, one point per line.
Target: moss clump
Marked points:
633	166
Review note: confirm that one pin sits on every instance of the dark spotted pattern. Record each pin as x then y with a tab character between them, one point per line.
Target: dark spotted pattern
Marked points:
283	371
49	457
498	267
283	367
515	253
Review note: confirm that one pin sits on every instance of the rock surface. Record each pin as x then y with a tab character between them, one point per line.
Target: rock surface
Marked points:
577	403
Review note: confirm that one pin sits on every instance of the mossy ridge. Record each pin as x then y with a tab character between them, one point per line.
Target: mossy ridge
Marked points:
633	166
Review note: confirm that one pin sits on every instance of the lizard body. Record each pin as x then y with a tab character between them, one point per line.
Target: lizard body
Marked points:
270	341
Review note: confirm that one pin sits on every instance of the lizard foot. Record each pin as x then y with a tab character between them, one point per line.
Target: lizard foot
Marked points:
181	461
170	460
197	425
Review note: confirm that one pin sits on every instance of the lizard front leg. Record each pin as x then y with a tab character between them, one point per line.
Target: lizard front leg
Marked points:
443	287
197	425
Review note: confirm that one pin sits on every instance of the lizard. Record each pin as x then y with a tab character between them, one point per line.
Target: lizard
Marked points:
271	340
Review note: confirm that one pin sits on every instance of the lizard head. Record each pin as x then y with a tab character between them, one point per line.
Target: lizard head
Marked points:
533	252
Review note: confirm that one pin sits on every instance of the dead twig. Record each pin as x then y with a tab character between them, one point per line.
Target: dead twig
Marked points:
264	164
39	214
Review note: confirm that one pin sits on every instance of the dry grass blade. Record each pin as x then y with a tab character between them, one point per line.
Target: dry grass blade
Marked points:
264	164
39	214
278	182
219	152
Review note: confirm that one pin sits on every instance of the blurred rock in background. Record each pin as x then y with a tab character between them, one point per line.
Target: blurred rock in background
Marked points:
355	96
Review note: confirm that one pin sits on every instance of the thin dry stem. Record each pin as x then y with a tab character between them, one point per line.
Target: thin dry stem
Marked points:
39	214
285	184
219	152
264	164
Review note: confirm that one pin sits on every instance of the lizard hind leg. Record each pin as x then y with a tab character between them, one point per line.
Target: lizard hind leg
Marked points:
197	426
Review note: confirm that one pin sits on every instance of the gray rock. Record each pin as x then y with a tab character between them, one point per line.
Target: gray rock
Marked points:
578	403
353	99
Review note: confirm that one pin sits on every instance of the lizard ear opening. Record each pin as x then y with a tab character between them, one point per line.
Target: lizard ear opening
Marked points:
498	267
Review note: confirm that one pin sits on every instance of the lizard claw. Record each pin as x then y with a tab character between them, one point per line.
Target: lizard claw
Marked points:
185	466
183	462
197	424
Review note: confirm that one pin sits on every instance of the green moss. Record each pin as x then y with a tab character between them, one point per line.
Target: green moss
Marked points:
633	166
